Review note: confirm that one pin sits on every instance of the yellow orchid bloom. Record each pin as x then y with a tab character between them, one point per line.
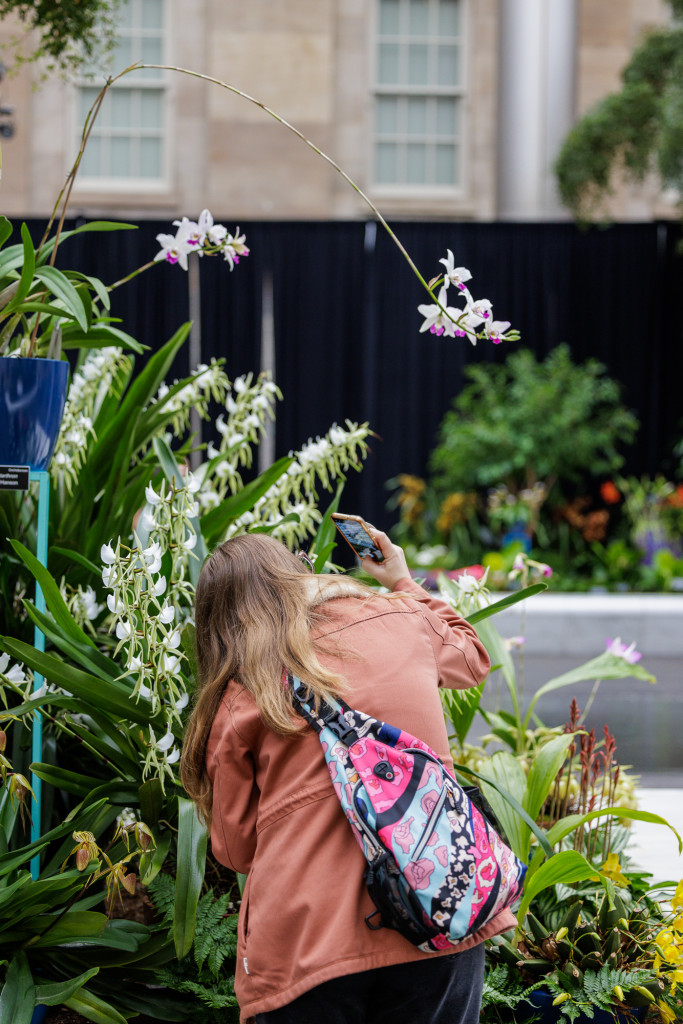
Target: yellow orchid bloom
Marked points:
667	1014
612	869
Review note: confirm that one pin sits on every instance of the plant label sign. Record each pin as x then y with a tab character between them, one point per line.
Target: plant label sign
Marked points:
14	478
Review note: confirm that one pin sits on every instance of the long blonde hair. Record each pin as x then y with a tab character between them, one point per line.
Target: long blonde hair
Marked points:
253	618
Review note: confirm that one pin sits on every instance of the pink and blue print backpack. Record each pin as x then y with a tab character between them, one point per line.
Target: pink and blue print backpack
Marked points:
437	869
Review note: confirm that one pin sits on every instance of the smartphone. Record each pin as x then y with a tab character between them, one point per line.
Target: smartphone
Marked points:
355	532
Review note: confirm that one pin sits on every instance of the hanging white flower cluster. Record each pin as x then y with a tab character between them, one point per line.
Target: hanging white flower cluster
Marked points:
318	462
90	384
207	382
147	611
12	673
205	238
249	405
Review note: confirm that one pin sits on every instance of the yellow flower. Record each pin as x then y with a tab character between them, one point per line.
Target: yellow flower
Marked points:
667	1014
677	901
612	869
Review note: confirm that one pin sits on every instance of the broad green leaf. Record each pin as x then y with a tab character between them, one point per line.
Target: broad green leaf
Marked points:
291	517
45	309
191	857
512	802
110	697
99	337
215	523
62	778
96	286
94	1008
53	598
18	996
87	657
152	862
506	602
27	271
499	655
93	225
325	539
565	868
62	287
151	796
15	858
54	993
605	666
78	558
547	762
504	769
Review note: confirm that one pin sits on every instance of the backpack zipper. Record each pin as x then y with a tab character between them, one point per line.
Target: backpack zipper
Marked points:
429	827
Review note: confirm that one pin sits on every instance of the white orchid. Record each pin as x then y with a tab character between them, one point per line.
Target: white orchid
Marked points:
15	674
124	630
174	249
454	275
495	330
151	495
166	741
167	614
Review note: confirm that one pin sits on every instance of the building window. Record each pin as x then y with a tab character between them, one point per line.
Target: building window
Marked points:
418	94
127	142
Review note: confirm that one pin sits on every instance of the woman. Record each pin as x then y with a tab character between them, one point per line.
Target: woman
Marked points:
257	774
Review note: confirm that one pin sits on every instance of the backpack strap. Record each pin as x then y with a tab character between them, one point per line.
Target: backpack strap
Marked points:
329	716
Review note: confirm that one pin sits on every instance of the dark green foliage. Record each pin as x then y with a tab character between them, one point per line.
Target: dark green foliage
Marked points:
208	974
636	129
71	32
527	421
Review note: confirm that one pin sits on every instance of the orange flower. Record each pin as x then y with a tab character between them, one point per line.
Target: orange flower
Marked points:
609	493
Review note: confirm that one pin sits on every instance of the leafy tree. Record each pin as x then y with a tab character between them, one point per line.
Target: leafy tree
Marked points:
634	130
527	421
70	32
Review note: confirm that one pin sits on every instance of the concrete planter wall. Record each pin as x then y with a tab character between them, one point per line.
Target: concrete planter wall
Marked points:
564	630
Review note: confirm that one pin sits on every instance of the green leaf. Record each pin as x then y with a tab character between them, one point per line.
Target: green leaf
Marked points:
461	707
325	540
565	868
60	286
291	517
505	770
27	271
151	796
54	993
87	657
191	860
93	1008
5	229
605	666
152	862
53	598
547	762
215	523
78	558
99	337
96	286
110	697
506	602
500	656
62	778
18	995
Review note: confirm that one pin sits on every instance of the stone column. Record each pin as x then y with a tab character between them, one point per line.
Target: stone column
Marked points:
536	103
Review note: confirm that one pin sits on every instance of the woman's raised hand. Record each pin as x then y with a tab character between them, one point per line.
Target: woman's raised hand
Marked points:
394	567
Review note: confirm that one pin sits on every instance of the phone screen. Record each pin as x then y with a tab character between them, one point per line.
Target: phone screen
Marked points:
359	539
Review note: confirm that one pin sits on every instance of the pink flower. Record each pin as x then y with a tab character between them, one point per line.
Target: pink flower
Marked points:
629	654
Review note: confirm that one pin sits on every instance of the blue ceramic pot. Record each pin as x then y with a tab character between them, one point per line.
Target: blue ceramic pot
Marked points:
550	1014
32	397
39	1014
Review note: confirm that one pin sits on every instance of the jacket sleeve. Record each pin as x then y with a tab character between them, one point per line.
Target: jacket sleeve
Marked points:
460	655
230	766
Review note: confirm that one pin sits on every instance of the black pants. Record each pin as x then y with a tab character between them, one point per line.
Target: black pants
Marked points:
444	990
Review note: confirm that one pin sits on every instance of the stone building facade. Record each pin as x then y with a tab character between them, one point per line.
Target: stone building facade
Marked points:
436	109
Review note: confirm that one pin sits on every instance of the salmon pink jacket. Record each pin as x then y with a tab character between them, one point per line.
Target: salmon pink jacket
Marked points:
276	814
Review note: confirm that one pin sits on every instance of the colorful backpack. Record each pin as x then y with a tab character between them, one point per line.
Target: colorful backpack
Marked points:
437	870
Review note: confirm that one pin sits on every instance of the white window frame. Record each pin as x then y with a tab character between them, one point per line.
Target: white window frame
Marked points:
460	92
132	81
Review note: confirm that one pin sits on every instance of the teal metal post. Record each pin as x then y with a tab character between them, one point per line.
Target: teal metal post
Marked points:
43	479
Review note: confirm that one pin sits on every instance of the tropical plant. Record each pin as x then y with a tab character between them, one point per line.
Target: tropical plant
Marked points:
633	131
524	423
69	32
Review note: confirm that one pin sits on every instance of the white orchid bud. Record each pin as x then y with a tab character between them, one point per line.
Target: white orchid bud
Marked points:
167	614
182	702
124	629
173	756
166	741
114	605
190	542
151	495
107	554
159	587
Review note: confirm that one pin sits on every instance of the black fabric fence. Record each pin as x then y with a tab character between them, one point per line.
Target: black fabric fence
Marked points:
346	324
